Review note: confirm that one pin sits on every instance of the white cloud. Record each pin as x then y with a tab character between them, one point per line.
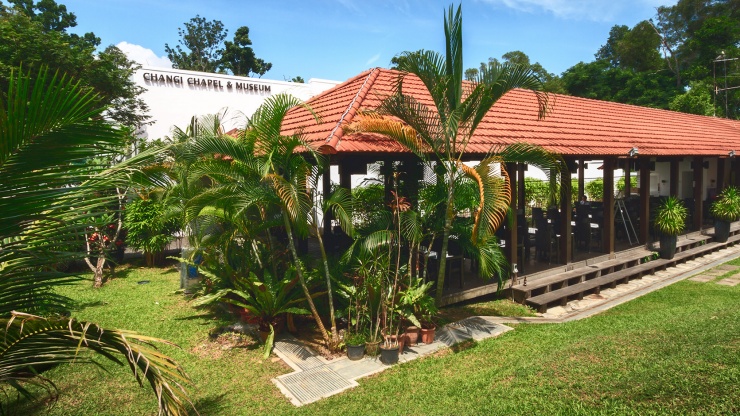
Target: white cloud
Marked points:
143	55
373	59
596	10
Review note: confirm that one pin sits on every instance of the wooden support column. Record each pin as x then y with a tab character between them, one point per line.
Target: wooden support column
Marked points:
736	163
566	209
720	174
698	192
521	191
607	233
412	173
325	191
387	171
644	200
581	178
627	179
674	177
511	232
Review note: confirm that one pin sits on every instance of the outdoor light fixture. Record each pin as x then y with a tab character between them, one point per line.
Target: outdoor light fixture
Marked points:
732	153
633	152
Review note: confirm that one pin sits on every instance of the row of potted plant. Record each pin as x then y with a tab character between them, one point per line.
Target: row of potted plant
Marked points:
670	219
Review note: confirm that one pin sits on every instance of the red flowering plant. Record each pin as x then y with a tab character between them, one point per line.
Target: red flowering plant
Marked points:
104	235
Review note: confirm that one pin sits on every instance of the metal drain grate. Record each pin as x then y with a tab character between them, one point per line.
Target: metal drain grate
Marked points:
314	384
303	358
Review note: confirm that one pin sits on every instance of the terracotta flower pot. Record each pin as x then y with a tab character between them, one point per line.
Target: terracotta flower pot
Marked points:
427	335
412	335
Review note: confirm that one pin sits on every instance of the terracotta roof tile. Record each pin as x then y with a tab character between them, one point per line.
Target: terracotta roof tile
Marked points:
575	126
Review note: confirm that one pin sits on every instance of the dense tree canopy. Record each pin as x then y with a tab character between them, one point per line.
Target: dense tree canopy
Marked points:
202	47
669	62
32	34
550	82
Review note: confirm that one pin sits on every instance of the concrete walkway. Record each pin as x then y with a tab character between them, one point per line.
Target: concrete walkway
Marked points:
315	377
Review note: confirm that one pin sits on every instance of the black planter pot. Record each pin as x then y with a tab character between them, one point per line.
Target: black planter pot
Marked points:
389	356
668	246
721	231
355	352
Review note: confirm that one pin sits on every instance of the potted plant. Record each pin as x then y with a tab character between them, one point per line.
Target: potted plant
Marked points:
427	309
670	221
355	344
725	209
414	303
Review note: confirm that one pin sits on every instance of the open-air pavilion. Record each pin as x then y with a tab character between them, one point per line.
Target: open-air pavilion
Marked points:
670	153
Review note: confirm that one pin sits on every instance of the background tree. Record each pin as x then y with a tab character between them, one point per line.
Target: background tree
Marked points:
32	34
299	79
202	41
238	56
550	81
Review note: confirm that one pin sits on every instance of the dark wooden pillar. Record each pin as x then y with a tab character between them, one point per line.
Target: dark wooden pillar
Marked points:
412	173
674	177
581	178
698	192
627	179
566	208
521	190
387	171
511	232
325	191
736	163
644	200
720	174
607	233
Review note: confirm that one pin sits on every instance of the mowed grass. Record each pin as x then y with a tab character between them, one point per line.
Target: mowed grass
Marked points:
674	351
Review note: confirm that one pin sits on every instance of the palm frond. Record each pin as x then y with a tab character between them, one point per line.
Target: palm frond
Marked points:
31	343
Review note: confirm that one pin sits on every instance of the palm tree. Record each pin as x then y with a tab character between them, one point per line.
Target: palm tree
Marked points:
442	132
50	130
259	182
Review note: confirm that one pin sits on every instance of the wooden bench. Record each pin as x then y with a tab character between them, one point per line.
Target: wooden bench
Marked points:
573	277
565	294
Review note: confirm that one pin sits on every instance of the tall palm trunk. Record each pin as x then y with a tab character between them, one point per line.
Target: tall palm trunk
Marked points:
449	216
302	279
334	333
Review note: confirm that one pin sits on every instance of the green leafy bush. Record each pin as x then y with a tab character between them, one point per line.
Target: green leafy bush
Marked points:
148	227
727	205
670	217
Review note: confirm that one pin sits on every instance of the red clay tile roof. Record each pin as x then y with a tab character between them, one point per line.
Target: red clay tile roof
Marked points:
575	126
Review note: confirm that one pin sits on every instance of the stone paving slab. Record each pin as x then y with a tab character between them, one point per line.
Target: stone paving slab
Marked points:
728	267
315	378
702	278
303	387
715	272
729	282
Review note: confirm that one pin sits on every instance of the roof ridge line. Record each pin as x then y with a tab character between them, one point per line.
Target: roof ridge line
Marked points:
348	114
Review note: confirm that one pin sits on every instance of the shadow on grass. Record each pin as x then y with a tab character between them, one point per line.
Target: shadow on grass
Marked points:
463	346
211	405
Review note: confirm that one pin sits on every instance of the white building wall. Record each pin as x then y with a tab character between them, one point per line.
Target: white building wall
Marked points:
175	95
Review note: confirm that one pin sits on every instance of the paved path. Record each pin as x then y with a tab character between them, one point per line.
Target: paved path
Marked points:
315	377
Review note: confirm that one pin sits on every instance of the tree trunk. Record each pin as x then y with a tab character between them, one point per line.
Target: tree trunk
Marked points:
98	273
449	215
334	333
302	280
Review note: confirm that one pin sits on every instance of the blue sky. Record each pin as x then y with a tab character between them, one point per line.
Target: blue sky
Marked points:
337	39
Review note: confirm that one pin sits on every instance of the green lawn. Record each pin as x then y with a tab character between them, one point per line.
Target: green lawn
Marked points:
675	351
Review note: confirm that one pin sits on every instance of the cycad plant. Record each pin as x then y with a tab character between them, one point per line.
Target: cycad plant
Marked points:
50	128
442	132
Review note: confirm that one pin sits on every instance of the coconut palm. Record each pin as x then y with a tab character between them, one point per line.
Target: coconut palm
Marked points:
50	130
441	133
